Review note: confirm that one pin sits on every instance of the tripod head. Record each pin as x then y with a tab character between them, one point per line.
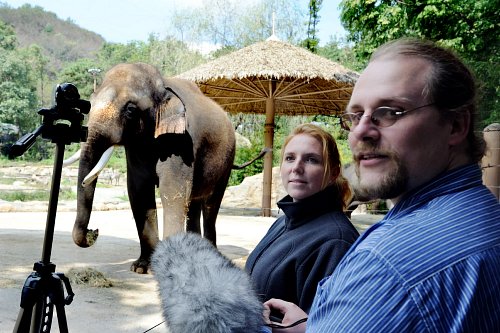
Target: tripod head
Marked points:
62	123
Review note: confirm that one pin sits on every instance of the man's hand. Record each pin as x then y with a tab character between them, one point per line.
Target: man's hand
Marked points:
292	313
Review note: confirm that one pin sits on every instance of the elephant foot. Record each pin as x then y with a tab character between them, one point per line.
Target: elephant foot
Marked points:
85	238
140	266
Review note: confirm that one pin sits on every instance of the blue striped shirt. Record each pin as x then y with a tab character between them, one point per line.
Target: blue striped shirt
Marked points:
431	265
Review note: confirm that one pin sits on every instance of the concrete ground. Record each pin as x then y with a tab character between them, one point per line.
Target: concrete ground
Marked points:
131	304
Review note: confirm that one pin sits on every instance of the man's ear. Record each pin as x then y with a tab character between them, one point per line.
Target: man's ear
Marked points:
459	128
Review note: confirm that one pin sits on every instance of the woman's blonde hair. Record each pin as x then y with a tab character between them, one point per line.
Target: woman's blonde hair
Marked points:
331	159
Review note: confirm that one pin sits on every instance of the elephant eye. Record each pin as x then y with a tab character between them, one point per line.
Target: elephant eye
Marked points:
131	111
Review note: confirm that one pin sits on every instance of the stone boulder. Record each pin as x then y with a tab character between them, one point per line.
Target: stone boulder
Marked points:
248	194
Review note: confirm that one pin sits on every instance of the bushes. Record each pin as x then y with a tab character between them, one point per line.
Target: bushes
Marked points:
243	155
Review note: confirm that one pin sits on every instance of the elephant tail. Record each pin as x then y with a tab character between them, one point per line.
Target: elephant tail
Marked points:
261	154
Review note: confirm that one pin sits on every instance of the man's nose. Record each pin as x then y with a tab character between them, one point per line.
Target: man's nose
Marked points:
365	129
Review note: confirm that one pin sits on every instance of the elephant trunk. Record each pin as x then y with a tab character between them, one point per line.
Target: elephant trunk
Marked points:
82	236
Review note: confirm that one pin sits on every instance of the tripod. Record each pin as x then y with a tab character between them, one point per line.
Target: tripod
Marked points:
44	288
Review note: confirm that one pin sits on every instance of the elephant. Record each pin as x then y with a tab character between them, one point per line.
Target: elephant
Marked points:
174	137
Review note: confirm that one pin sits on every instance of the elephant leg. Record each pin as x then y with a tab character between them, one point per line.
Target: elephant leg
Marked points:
193	217
175	183
174	214
210	211
147	230
141	191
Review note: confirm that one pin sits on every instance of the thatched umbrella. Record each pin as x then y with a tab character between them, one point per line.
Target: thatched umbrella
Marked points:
274	77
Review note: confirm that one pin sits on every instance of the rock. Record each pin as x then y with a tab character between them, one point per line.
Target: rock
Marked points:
242	141
248	194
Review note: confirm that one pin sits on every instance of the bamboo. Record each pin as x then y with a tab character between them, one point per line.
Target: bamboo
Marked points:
491	161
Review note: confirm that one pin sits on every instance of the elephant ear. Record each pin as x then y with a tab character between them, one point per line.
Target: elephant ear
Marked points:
170	115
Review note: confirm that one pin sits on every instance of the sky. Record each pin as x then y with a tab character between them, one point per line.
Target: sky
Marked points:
121	21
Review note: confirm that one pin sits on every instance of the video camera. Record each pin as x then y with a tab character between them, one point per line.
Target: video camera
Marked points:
68	107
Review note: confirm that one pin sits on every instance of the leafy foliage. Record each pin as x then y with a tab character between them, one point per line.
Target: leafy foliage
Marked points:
8	39
172	56
17	100
243	155
470	27
312	41
112	53
40	75
78	73
222	22
340	52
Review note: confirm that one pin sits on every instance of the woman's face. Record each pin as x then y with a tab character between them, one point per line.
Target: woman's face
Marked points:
302	167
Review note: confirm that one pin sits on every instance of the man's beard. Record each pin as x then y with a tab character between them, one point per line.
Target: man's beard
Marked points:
389	186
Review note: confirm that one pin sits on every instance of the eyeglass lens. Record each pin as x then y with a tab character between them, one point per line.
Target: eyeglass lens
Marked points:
382	116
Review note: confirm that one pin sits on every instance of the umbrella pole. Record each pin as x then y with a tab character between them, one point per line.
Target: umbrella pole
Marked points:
268	158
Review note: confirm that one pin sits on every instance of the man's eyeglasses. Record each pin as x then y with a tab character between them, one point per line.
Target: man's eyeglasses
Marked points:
383	116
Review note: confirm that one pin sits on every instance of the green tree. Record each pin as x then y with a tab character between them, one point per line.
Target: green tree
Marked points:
8	39
78	74
172	56
312	41
113	53
17	92
39	68
342	53
470	27
18	99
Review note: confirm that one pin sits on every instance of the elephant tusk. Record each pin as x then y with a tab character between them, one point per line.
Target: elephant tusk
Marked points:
94	173
75	157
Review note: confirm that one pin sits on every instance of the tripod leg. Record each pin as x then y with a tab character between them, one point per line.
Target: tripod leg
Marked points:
61	318
42	318
54	297
41	293
23	321
37	320
30	296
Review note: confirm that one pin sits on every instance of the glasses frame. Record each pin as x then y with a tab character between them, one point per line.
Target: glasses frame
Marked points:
355	117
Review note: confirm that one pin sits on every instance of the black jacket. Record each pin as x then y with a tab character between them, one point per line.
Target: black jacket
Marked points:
301	248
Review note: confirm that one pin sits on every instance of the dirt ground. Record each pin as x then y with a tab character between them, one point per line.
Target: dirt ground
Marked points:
132	303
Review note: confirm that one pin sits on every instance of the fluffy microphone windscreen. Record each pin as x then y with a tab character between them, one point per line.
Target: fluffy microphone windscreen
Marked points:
203	291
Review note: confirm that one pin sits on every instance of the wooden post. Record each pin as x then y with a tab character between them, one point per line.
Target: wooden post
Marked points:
491	161
268	158
94	72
